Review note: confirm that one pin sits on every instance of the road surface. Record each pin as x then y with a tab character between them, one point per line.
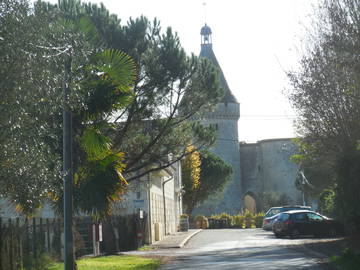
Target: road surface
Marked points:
241	249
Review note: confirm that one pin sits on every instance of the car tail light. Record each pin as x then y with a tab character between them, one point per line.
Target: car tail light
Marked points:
266	221
288	222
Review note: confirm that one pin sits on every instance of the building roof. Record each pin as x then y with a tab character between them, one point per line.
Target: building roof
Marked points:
208	53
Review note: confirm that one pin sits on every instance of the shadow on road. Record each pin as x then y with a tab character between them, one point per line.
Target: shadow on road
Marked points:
244	258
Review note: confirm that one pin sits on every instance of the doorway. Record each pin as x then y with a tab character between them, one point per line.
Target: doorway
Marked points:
250	202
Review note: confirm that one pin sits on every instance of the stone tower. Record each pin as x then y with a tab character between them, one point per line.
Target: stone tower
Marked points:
225	119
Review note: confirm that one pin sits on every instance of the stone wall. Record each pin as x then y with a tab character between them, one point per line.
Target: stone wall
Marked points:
266	167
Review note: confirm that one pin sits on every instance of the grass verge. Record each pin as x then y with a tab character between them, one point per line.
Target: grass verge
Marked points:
113	263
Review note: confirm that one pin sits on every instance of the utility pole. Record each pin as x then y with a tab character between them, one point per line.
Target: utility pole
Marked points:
67	171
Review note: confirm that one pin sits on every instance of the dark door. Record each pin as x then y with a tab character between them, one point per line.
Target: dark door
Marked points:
316	224
302	223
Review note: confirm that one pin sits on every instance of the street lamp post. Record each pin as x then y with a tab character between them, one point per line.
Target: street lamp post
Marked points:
67	171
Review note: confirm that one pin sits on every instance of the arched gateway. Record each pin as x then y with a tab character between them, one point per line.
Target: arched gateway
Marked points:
250	202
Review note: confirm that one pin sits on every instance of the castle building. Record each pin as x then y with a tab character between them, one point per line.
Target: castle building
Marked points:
257	168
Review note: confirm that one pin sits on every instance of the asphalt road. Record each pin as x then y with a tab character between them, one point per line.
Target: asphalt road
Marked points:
241	249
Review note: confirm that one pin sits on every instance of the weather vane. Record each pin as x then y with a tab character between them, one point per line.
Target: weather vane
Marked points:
204	4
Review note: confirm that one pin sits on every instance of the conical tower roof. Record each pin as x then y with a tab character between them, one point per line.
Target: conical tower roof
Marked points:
208	53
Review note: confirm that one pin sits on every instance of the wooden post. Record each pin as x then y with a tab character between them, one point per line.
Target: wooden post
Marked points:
27	242
1	244
19	252
34	239
11	255
48	236
41	237
59	246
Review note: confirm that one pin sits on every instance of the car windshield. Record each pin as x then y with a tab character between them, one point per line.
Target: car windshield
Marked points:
315	217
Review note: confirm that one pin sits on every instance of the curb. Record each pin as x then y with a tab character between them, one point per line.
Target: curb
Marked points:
188	238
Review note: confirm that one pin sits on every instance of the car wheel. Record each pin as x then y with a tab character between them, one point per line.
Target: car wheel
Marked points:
278	235
332	232
294	233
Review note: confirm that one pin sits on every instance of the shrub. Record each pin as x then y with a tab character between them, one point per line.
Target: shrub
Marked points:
249	219
40	263
242	220
348	260
239	221
224	216
201	222
228	218
259	219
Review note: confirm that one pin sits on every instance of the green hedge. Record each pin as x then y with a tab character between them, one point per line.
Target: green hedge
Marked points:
243	220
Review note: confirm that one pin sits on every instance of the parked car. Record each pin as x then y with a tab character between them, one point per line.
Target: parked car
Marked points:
273	212
304	222
268	222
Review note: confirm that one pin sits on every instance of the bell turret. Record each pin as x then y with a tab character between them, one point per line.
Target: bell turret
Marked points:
205	33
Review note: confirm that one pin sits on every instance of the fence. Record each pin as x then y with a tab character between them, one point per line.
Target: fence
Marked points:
23	242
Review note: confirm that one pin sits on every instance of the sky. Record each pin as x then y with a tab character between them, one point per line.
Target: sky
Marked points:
255	42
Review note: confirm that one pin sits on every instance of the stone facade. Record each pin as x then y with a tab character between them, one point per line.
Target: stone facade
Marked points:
225	118
266	167
159	195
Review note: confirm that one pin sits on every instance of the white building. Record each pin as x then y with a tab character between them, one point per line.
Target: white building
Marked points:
158	197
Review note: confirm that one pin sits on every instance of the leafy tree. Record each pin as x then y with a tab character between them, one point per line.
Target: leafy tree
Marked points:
100	82
171	88
30	97
190	169
104	82
139	126
274	199
326	202
97	167
326	95
317	169
214	173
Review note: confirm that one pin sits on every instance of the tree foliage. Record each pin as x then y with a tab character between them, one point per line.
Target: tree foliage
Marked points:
190	169
214	173
100	82
325	92
318	169
117	127
170	89
30	100
274	199
326	202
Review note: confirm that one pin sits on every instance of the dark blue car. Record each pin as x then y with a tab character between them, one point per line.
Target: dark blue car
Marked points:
273	212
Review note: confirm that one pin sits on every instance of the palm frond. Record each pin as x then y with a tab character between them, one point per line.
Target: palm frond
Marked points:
118	67
96	145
